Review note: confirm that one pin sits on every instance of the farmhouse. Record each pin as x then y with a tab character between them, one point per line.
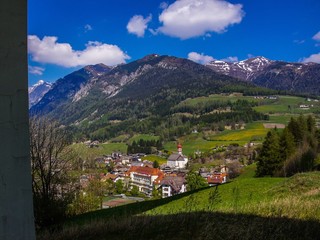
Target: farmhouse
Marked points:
177	160
218	177
145	178
304	106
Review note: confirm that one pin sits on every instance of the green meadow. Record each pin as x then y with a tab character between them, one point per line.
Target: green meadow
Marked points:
85	152
280	111
247	208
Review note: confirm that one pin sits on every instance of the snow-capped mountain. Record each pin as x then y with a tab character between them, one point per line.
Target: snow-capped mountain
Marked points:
279	75
154	84
37	91
245	70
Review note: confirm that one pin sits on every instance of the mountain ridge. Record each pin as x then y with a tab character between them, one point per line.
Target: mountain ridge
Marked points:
279	75
116	91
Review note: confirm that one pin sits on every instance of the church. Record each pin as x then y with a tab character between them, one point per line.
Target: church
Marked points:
177	160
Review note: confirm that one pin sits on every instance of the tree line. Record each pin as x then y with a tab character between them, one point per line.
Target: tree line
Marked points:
144	146
293	150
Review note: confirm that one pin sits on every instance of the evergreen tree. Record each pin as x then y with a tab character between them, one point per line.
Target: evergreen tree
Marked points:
269	160
297	131
307	161
311	124
287	144
156	164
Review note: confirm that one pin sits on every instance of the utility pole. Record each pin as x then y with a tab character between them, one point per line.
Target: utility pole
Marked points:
16	209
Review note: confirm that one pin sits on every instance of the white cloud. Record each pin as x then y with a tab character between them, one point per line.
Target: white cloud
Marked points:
163	5
204	59
153	31
230	59
35	70
312	58
298	41
87	27
48	50
191	18
316	36
200	58
137	25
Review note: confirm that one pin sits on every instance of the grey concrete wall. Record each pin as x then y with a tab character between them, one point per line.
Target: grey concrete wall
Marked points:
16	211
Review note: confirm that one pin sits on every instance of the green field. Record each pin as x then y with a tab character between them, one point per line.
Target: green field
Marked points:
85	152
246	208
280	105
278	110
153	158
216	97
251	131
194	142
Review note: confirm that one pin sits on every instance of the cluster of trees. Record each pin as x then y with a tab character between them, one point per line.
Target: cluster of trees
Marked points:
195	181
144	146
201	107
91	197
293	150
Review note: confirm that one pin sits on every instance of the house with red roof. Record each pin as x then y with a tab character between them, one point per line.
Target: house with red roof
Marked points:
145	178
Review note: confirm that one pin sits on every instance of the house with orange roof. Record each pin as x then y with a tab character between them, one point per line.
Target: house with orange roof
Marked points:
145	178
219	176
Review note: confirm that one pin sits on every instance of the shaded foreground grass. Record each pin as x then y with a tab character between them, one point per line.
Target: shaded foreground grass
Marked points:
247	208
194	225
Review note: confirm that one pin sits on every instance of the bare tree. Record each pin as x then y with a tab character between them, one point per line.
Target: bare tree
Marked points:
50	162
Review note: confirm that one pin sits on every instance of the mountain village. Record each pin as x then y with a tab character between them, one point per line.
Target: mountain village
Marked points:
168	179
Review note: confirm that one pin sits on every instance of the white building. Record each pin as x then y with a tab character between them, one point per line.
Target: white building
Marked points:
172	185
177	160
145	178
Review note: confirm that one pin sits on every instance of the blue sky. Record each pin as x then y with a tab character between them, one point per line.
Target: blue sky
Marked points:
64	36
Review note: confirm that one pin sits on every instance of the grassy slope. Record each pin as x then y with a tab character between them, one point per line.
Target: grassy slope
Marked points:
106	148
297	197
195	142
247	208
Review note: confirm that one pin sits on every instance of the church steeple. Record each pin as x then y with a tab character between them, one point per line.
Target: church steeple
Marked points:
179	147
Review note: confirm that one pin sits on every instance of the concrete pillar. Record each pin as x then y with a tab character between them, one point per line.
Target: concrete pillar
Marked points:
16	210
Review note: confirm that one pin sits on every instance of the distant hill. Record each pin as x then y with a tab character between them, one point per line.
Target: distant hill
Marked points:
279	75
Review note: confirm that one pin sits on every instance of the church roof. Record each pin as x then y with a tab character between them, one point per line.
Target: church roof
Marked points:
176	157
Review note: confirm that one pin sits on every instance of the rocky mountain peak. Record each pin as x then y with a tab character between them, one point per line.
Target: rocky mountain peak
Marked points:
37	91
244	69
97	69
